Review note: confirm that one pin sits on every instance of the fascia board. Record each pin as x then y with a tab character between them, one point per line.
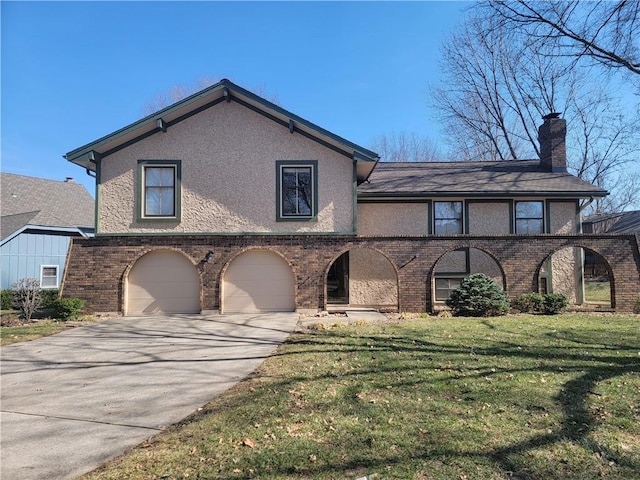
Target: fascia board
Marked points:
529	194
213	94
44	229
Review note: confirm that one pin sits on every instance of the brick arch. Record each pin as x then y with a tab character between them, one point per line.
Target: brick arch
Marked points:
431	275
610	270
360	247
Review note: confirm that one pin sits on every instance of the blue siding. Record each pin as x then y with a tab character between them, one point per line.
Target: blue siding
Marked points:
23	256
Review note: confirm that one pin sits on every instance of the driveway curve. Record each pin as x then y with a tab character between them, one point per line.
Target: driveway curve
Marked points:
70	402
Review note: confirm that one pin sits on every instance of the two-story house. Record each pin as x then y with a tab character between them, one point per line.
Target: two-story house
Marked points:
227	202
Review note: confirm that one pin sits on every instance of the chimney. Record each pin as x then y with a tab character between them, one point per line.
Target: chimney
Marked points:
551	135
69	180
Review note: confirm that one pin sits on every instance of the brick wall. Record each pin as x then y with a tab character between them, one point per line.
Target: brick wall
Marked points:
97	267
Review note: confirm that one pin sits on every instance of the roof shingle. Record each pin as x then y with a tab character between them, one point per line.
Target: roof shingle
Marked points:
500	178
43	202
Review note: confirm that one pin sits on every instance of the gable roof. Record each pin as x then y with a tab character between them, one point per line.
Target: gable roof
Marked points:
623	222
43	202
473	179
87	155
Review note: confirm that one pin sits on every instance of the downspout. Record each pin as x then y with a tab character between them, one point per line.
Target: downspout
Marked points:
581	209
580	259
95	158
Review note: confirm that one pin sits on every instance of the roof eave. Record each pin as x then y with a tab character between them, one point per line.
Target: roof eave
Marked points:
44	228
86	155
520	193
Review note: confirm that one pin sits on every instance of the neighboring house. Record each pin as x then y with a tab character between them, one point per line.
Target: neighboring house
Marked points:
622	222
39	217
227	202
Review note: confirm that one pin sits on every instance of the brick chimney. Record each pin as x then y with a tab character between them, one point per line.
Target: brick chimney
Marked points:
552	135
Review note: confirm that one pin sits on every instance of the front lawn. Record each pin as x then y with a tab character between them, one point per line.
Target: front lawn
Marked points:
519	397
30	331
597	292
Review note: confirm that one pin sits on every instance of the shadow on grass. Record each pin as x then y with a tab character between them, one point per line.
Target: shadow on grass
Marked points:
578	423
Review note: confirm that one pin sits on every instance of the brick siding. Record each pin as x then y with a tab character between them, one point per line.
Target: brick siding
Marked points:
97	267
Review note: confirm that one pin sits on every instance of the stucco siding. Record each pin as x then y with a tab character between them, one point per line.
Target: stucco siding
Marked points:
228	155
562	218
387	219
488	218
565	266
372	279
480	262
453	262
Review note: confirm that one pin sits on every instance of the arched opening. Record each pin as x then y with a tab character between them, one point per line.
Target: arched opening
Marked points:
258	281
458	264
362	278
162	282
597	279
582	275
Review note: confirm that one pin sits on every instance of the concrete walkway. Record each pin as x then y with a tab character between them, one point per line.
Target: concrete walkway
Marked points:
71	401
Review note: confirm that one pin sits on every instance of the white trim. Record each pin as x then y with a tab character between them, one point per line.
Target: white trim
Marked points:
57	285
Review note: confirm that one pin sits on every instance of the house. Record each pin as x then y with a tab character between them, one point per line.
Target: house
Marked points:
39	218
227	202
622	222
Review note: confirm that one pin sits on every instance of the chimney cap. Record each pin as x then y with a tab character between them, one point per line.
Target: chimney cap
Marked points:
69	180
552	115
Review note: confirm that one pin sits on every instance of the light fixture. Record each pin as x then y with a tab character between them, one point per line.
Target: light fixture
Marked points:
208	258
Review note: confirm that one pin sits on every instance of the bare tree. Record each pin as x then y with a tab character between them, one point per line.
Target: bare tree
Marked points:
27	296
405	147
181	91
606	32
496	88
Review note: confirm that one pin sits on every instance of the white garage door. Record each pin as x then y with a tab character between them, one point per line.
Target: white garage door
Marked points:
163	282
258	281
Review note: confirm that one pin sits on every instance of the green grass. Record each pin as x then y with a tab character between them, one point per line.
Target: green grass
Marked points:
30	331
599	292
524	397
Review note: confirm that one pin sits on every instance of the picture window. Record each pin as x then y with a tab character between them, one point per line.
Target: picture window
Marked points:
447	218
297	190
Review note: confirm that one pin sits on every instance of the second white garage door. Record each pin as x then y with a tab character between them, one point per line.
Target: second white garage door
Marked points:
163	281
258	281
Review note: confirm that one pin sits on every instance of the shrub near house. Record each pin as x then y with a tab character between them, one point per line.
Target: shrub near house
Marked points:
227	202
478	296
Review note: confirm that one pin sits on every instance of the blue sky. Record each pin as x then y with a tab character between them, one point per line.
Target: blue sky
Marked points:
73	72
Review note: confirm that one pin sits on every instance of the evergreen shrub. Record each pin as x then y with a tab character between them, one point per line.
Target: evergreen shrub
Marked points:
478	296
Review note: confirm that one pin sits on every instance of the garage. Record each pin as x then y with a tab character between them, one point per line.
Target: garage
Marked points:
163	281
258	281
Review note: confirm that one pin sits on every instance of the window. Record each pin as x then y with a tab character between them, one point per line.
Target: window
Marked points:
297	190
49	276
444	287
529	218
447	218
159	182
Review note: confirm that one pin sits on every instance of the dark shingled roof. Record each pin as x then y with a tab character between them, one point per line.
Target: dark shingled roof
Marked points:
624	222
43	202
468	179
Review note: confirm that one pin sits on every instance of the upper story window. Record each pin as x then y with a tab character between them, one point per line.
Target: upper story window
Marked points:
529	217
297	190
49	276
159	182
447	218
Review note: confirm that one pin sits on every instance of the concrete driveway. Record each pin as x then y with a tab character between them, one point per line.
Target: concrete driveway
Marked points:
73	400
